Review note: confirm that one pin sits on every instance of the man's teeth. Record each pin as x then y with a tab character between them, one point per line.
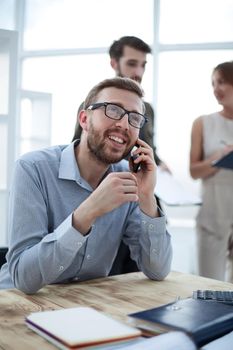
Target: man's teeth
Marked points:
117	139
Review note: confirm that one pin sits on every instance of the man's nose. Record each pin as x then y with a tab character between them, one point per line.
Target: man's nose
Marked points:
123	122
140	71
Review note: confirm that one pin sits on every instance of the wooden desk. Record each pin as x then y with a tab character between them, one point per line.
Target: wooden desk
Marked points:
116	296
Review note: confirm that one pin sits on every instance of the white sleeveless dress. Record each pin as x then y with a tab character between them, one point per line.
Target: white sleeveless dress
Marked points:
215	217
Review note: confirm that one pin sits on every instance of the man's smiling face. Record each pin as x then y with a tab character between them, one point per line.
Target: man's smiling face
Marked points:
111	140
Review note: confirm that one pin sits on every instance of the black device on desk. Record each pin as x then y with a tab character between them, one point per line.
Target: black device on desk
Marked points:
225	297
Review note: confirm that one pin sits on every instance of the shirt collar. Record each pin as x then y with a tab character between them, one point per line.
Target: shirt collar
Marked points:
68	168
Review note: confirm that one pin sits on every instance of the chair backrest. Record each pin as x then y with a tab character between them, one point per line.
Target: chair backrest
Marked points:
3	251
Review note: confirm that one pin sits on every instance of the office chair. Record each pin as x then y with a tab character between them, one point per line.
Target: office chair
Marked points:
123	262
3	251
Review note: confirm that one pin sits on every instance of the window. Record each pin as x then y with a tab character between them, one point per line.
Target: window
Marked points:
184	93
83	24
35	121
7	19
196	21
64	52
8	64
67	79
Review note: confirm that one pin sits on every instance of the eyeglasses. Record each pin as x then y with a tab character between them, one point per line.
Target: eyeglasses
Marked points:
116	112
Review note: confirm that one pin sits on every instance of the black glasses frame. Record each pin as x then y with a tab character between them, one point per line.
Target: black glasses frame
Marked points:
105	104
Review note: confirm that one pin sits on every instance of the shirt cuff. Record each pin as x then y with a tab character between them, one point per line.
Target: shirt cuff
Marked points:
154	226
68	236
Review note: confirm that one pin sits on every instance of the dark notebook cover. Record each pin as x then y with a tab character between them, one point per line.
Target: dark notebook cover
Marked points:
203	320
225	162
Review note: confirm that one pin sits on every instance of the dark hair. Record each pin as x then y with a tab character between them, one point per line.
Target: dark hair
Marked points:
226	71
117	47
117	82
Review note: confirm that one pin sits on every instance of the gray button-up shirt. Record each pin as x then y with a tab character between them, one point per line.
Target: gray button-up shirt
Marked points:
45	248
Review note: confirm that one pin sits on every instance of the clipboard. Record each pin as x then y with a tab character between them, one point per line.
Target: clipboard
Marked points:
224	162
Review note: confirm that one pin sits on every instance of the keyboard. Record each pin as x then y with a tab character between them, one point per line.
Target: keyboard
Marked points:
217	295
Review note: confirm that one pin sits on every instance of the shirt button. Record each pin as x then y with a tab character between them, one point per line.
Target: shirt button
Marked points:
61	268
79	244
144	222
75	278
151	226
88	257
154	250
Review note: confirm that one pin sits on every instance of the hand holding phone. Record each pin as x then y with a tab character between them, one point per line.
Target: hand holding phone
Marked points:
133	157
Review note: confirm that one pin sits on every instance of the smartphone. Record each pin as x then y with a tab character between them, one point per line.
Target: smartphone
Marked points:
133	157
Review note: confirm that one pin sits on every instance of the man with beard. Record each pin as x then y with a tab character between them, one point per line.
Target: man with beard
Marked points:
128	58
71	206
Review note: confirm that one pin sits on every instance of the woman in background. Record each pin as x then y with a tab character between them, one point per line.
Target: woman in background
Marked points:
212	138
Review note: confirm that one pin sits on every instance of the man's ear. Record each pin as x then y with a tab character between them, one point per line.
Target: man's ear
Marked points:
83	118
114	64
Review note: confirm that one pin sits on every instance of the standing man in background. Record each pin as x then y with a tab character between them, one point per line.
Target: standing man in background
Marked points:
128	58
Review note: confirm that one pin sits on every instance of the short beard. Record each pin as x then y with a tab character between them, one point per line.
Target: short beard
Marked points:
97	147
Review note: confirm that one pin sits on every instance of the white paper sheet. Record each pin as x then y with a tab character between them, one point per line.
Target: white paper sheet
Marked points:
167	341
223	343
172	192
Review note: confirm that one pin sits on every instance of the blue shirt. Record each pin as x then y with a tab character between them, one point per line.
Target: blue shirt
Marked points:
45	248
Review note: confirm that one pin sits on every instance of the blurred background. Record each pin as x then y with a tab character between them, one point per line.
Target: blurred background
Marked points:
53	51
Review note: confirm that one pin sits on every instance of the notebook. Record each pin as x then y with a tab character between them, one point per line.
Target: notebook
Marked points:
80	327
225	162
203	320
